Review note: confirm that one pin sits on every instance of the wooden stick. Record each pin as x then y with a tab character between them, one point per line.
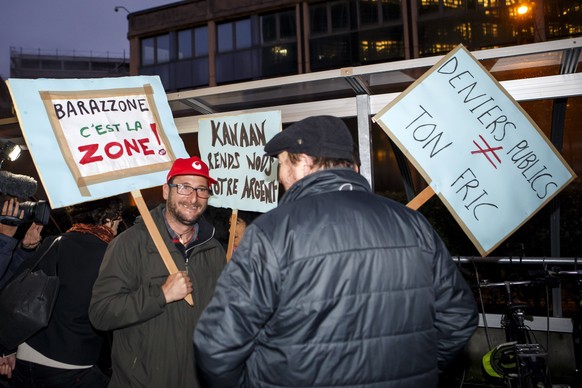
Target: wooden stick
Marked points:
421	198
230	249
157	237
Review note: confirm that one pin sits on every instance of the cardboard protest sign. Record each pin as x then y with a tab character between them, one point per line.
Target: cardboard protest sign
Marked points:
233	148
93	138
477	148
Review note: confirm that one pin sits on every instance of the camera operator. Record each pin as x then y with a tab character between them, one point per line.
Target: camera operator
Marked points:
12	214
8	243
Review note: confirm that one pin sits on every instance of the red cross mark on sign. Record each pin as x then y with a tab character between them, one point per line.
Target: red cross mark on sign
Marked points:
488	149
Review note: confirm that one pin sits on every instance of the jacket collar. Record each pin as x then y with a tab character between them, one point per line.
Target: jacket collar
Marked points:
205	229
333	179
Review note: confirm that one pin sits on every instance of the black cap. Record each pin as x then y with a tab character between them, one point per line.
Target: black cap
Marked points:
320	136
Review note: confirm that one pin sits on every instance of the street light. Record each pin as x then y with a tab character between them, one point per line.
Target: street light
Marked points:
118	7
522	9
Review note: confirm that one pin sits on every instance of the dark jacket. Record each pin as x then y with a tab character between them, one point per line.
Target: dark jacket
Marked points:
69	336
11	257
337	286
152	342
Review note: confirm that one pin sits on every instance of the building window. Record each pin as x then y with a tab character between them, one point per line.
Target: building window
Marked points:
148	51
391	10
193	43
330	17
238	51
155	50
234	36
201	41
340	17
278	27
375	12
185	44
279	41
318	19
369	12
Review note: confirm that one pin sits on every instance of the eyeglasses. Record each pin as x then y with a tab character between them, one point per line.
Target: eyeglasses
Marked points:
201	192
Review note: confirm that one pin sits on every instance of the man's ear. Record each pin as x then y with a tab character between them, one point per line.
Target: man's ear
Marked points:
307	163
165	191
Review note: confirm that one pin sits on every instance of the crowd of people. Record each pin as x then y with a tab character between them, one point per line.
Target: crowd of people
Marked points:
336	286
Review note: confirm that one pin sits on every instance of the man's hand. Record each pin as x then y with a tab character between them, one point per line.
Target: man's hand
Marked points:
32	237
10	209
177	286
7	364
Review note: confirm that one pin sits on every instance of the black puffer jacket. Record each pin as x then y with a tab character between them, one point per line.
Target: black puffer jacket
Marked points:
335	287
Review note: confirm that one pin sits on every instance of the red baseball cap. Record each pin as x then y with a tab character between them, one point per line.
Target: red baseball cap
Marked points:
190	166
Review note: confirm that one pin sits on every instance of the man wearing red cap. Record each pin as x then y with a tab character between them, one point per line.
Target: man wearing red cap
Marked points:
134	295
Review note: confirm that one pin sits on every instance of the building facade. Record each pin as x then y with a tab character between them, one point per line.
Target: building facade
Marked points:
28	63
201	43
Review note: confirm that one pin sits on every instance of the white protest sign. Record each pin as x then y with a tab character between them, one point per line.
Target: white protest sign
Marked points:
93	138
478	149
233	148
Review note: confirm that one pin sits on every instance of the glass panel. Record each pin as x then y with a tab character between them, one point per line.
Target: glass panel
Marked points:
368	12
453	4
340	19
163	48
50	64
381	44
147	51
427	6
391	10
280	60
185	44
330	52
225	42
269	28
79	65
287	25
243	34
318	19
201	41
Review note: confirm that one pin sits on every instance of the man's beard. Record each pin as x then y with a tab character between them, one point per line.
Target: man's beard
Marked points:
174	209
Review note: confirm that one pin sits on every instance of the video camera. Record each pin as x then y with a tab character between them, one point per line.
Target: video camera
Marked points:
22	186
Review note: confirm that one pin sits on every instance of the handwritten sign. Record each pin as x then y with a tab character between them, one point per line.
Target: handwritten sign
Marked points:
478	149
233	147
96	138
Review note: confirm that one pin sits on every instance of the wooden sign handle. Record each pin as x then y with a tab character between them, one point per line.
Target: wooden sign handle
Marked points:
230	249
157	237
421	198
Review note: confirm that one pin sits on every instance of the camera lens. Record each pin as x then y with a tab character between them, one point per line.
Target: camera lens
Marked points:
37	212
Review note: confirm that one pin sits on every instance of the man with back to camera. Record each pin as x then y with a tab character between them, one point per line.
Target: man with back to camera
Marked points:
135	297
337	286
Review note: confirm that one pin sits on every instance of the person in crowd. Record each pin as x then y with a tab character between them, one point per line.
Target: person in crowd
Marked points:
66	352
243	219
13	189
135	296
337	286
12	253
10	257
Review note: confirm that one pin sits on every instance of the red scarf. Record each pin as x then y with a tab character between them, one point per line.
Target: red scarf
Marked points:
102	232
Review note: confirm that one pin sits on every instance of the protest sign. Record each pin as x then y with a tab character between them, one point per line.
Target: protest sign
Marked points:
477	148
233	148
93	138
